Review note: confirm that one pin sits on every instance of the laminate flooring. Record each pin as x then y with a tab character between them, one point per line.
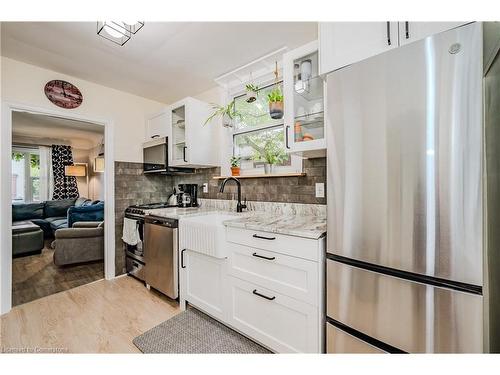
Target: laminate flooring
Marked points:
101	317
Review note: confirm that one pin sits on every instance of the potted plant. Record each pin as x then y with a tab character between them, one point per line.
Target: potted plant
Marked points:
235	162
251	92
275	99
271	154
228	114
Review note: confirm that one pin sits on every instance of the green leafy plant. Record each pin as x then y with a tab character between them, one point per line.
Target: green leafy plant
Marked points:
235	161
252	88
228	111
275	95
271	152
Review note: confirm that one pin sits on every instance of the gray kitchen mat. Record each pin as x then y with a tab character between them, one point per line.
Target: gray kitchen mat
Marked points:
193	332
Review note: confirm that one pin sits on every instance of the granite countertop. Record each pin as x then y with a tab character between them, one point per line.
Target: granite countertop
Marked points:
307	226
177	213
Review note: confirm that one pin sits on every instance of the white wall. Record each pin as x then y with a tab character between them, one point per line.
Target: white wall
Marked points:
23	83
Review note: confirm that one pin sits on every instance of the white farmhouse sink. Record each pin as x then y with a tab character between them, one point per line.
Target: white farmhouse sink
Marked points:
205	233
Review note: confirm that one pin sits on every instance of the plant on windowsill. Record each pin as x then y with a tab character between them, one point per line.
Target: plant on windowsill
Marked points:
275	99
251	92
228	114
235	162
271	154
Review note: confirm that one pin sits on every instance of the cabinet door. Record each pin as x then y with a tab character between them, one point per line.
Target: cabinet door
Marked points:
412	31
204	286
344	43
304	101
157	125
177	144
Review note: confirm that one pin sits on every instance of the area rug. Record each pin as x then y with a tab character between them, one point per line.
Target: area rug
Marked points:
192	332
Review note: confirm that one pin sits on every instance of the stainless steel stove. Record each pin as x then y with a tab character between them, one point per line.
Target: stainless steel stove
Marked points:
134	255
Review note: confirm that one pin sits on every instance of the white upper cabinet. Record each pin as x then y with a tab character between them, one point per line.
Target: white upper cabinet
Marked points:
158	125
413	31
304	93
191	143
344	43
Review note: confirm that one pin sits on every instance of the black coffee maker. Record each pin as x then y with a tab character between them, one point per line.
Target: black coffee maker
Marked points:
188	195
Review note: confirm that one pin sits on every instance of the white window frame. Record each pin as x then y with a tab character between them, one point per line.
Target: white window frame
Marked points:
27	151
295	160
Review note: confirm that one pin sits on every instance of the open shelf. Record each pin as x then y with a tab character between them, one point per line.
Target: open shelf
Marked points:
262	176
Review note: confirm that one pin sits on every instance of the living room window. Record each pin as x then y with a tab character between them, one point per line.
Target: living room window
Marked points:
25	174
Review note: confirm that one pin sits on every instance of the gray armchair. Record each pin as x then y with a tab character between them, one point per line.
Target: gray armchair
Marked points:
83	242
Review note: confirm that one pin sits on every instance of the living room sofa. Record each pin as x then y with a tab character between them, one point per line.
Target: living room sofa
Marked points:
49	216
83	242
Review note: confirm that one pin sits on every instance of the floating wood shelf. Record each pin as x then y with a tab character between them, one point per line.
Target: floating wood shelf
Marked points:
262	176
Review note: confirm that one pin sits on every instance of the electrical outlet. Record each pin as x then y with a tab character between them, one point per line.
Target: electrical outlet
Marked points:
205	187
320	190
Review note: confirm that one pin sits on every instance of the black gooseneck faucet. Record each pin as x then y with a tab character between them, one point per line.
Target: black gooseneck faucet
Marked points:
239	206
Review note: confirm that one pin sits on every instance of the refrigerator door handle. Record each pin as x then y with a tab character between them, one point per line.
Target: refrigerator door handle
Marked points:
388	33
407	30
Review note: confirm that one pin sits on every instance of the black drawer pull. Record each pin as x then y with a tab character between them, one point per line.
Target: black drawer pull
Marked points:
263	257
135	264
263	296
263	238
182	258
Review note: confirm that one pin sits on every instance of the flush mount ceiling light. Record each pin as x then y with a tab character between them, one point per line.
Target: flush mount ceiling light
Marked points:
118	32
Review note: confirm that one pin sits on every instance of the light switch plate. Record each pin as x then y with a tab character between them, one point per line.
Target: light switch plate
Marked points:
320	190
205	187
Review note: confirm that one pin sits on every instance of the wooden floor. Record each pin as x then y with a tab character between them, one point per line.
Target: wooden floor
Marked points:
102	317
37	276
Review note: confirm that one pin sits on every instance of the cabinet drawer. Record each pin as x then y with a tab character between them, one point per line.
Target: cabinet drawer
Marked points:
340	342
294	277
283	324
295	246
411	316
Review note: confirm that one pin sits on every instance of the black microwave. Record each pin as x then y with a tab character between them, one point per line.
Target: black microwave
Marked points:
155	158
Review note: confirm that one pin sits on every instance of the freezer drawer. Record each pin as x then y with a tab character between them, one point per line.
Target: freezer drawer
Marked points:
408	315
340	342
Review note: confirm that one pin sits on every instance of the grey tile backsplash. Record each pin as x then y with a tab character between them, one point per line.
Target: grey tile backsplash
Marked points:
134	187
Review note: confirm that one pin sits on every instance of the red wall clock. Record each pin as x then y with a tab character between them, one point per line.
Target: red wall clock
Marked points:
63	94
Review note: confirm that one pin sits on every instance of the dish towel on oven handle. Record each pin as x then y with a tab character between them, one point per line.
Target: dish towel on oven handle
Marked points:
130	232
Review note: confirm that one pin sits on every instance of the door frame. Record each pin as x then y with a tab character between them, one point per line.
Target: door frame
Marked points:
7	109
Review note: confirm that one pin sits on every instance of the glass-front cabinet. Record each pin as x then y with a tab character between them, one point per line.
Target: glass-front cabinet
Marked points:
304	101
178	144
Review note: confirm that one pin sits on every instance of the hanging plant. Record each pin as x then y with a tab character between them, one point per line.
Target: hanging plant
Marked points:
275	99
251	92
228	114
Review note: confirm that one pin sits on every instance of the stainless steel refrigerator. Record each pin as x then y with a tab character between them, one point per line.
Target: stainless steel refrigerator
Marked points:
407	267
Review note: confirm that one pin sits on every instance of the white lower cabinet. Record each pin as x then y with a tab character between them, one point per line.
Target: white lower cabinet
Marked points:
202	282
270	288
284	324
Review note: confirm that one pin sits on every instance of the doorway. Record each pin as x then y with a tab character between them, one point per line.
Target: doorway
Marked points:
56	178
34	192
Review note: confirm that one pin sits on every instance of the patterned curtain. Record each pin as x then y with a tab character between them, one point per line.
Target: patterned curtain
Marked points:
64	187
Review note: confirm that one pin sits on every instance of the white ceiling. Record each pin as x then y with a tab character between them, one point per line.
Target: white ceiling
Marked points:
41	129
165	61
